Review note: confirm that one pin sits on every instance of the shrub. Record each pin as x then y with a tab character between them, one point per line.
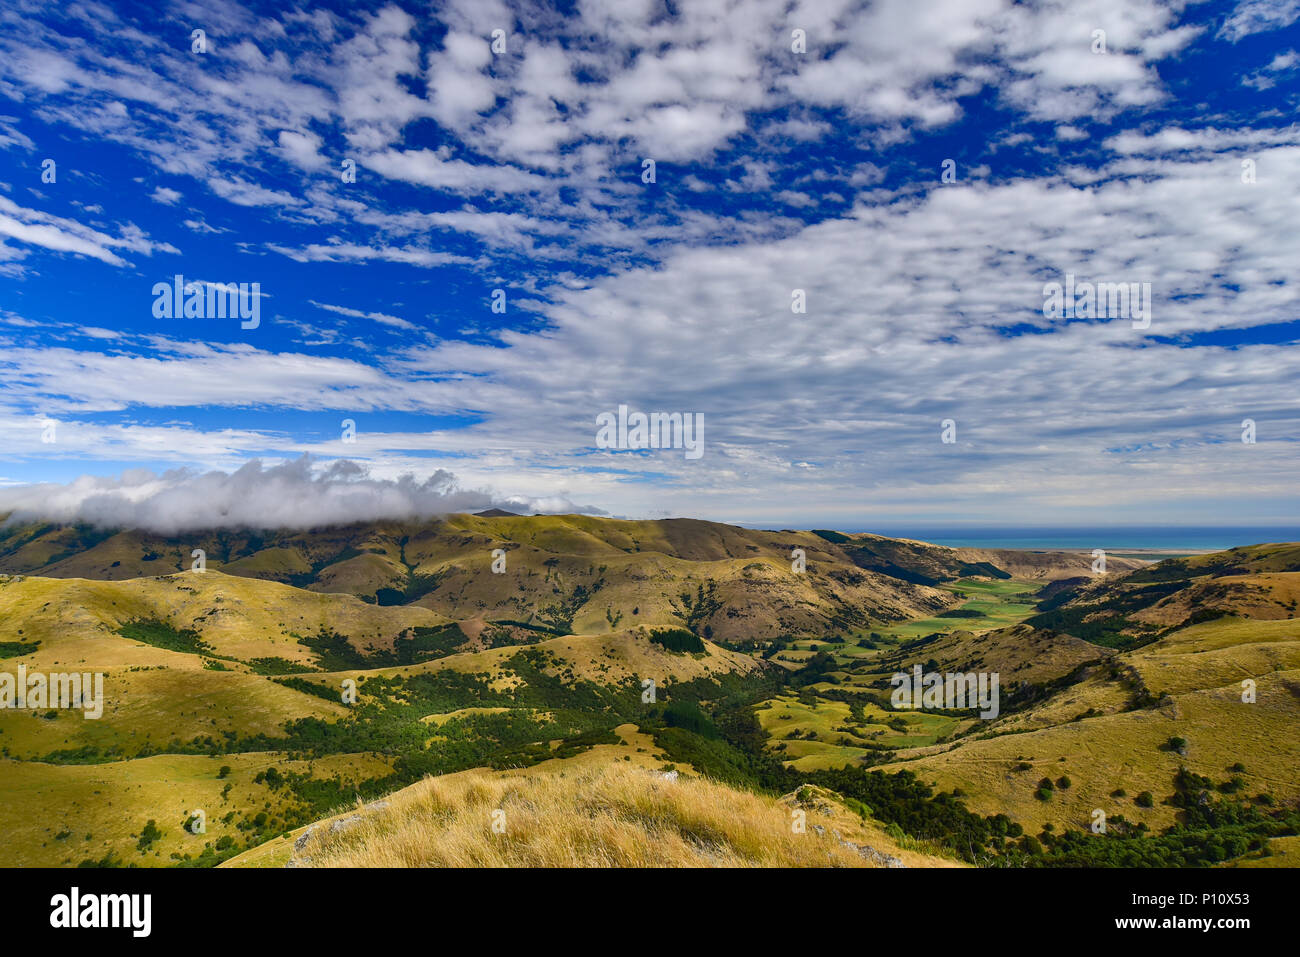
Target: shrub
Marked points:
1232	786
162	635
150	834
677	640
688	716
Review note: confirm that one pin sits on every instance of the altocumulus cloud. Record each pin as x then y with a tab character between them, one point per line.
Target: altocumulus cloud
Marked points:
1170	159
295	494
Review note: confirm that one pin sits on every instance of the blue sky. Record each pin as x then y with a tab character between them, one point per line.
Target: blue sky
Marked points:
1120	141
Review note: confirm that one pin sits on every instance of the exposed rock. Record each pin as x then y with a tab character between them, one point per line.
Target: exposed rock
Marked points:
303	838
335	826
870	853
343	823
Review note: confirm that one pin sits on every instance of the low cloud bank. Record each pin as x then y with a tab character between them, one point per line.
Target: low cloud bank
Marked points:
296	494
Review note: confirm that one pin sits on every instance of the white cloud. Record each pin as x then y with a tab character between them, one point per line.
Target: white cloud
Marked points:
910	299
915	296
37	228
352	252
190	374
201	226
381	317
11	136
1267	77
293	494
428	168
243	193
1259	16
302	149
676	87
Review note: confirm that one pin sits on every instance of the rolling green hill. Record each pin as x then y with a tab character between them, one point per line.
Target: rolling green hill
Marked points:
565	573
305	671
1259	582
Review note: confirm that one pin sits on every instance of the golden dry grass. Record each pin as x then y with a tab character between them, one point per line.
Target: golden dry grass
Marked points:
59	815
607	816
76	620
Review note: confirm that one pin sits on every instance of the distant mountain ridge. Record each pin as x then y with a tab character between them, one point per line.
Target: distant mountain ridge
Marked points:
1150	692
565	573
1258	581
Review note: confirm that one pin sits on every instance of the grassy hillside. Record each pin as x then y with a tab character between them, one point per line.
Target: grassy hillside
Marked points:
69	815
601	816
229	691
1121	727
1124	611
565	573
198	678
239	619
1140	735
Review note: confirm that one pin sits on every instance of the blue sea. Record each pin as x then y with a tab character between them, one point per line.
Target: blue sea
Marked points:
1112	539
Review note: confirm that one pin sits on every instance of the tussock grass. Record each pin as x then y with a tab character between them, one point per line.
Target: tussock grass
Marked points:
606	816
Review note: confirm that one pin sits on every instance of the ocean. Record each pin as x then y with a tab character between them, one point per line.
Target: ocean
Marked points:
1112	539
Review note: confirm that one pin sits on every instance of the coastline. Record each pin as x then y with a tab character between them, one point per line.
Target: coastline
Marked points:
1152	555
